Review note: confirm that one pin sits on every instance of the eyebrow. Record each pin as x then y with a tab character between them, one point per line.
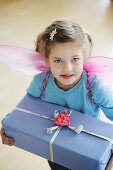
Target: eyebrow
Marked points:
61	58
57	58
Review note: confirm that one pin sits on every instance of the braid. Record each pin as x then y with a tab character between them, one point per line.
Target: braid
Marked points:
89	88
44	84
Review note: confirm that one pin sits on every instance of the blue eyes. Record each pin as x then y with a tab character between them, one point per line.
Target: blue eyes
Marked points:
75	59
59	61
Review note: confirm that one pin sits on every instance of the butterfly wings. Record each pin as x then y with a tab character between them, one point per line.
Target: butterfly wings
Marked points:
100	66
31	62
27	61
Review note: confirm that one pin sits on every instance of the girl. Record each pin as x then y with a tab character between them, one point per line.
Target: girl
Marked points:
65	47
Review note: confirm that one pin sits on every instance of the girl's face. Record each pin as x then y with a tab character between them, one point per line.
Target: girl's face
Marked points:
66	63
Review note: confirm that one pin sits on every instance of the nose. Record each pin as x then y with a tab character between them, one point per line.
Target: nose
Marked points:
67	67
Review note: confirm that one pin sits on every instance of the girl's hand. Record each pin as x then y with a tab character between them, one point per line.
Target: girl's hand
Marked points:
110	163
5	140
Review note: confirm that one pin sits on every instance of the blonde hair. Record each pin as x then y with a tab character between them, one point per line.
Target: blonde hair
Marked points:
67	31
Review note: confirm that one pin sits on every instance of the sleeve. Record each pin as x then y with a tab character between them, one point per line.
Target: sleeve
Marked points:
36	85
102	94
5	118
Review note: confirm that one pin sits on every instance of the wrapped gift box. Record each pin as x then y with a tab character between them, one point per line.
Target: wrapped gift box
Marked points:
77	152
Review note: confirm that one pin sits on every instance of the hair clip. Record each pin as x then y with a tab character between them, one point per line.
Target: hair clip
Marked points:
52	34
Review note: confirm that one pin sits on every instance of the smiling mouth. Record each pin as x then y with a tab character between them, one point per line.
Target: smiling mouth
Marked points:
67	76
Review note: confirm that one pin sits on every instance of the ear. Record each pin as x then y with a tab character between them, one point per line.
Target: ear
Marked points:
47	61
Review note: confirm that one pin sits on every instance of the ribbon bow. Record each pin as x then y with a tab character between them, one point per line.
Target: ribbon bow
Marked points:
62	119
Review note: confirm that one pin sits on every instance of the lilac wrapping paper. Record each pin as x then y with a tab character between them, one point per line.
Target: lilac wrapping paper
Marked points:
81	152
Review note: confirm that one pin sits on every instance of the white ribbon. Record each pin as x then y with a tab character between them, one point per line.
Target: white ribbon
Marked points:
49	130
100	136
35	114
51	142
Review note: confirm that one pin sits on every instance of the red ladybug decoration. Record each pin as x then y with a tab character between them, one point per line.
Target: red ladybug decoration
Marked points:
62	120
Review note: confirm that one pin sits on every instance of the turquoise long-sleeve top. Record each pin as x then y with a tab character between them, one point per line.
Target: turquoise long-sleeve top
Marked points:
76	98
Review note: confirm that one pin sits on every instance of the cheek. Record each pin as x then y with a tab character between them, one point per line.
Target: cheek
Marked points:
78	67
55	66
55	69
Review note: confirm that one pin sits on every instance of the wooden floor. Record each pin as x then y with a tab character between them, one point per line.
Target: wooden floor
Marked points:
20	23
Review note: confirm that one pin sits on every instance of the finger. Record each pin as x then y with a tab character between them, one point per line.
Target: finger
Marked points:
2	130
10	139
4	136
10	144
110	164
7	140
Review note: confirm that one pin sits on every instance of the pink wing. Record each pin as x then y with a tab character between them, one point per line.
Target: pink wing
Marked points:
31	62
101	66
27	61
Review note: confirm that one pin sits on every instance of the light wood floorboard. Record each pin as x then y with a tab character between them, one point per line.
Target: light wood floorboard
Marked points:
20	23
